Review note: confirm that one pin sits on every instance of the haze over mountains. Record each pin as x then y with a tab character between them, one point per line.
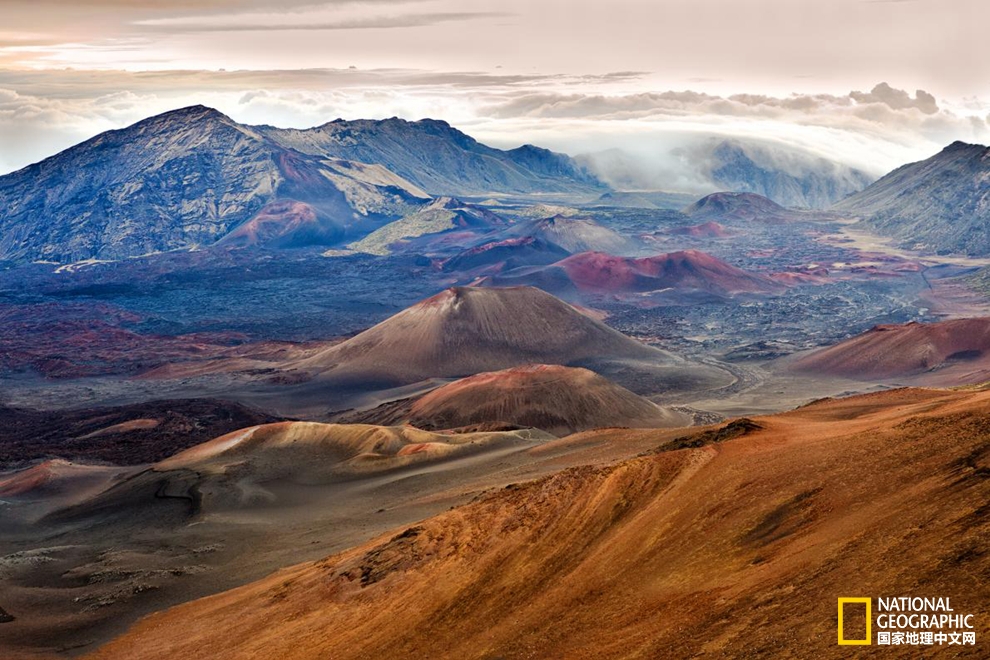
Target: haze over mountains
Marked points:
787	175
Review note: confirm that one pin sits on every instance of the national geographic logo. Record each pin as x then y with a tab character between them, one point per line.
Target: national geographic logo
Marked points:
904	621
866	639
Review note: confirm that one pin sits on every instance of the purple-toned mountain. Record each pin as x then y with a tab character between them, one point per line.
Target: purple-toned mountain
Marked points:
194	178
188	179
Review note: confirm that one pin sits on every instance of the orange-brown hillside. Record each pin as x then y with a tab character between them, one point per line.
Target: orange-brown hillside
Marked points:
944	353
556	399
732	543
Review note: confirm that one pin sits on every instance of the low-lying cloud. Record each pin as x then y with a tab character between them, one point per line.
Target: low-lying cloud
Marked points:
42	112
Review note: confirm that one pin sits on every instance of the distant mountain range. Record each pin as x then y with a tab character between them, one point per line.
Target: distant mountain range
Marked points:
941	204
789	176
806	181
184	179
194	178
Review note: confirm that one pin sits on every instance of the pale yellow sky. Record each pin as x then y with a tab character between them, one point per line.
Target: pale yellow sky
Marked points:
573	74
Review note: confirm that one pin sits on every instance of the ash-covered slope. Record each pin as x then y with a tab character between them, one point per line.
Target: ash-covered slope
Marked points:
309	452
441	159
952	352
941	204
597	272
245	469
556	399
184	179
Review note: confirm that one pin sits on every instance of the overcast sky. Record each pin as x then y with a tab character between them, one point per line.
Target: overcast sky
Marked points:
575	75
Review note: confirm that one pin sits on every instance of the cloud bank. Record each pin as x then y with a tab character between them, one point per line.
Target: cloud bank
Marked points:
42	112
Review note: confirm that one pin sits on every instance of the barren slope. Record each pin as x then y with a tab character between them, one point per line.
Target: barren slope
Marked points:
465	330
952	352
736	548
560	400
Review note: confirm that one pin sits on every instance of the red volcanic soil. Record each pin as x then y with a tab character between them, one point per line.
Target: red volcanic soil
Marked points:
708	229
31	479
689	269
125	435
556	399
944	353
730	543
795	278
277	222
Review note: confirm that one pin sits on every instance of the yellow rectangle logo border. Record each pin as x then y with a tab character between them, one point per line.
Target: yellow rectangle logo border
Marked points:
869	620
